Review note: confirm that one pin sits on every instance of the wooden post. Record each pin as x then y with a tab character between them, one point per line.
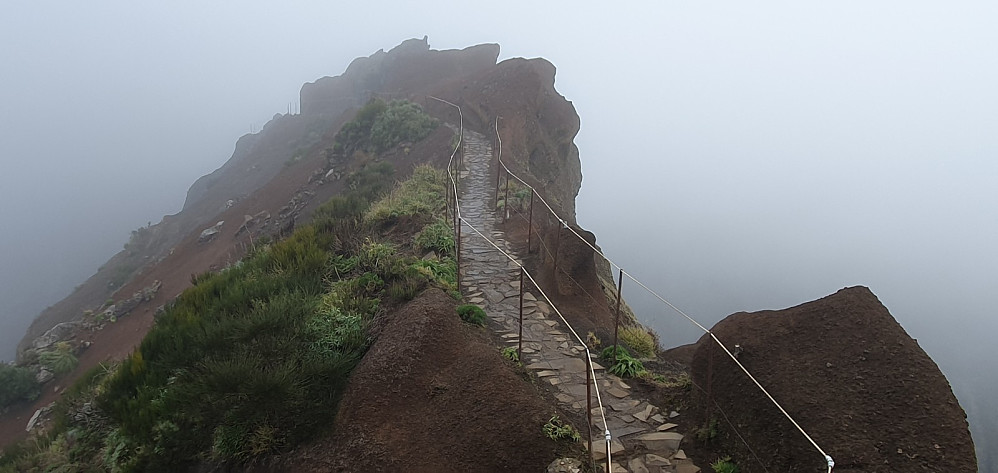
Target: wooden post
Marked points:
530	220
616	318
519	347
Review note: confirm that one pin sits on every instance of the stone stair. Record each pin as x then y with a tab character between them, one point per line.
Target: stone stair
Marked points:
644	441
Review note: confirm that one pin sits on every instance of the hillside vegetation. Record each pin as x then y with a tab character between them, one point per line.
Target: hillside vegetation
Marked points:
253	359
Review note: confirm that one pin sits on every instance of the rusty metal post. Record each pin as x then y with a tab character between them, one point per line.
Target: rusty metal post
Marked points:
530	220
616	318
505	201
589	408
459	225
498	180
710	379
519	347
557	249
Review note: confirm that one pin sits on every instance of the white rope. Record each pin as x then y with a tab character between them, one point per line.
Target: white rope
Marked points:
599	399
828	459
462	220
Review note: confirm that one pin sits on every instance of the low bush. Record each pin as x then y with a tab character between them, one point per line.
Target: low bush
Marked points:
437	237
639	340
423	194
59	359
724	465
627	367
623	364
472	314
555	429
511	354
707	432
16	384
400	121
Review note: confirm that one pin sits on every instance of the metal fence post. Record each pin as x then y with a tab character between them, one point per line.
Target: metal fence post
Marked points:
710	379
505	200
616	319
459	225
557	249
519	347
530	220
589	409
498	180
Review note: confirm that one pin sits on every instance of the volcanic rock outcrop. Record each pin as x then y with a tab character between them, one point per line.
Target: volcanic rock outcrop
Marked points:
849	374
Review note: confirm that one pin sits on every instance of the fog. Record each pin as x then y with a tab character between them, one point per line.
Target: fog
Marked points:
735	157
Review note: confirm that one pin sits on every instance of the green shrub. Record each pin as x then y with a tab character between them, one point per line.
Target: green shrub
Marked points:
707	431
437	237
441	272
607	354
640	340
623	365
58	360
356	133
724	465
400	121
379	257
555	429
472	314
16	384
407	286
423	194
627	367
510	353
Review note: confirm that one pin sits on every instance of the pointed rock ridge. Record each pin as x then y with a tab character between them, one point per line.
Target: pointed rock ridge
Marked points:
849	374
407	67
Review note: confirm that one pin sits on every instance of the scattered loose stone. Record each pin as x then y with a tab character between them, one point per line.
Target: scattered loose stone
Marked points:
644	414
565	465
618	393
654	460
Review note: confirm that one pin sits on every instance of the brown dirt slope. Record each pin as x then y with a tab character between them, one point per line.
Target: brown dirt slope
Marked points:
850	375
433	395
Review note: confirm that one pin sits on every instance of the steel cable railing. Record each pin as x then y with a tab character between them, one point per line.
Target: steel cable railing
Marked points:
828	459
460	221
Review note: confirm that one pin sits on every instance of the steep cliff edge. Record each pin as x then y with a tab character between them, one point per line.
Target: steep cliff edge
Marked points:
850	375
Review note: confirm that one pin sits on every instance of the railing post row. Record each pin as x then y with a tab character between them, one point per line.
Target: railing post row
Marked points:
589	410
505	201
519	346
616	318
530	220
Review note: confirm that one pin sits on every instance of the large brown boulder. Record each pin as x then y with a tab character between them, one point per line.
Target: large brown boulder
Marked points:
852	378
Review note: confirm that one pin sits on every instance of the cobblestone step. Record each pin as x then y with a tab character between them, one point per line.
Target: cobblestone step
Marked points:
642	441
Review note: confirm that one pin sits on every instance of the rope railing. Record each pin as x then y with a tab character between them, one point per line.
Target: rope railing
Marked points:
454	176
827	458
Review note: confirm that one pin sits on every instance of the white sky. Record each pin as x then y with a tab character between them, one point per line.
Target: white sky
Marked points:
761	155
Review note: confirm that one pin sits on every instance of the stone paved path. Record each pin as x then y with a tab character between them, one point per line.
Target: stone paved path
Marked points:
644	441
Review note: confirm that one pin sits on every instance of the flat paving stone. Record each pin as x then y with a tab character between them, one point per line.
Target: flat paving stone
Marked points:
492	281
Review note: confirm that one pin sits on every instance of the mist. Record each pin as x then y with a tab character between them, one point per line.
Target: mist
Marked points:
735	157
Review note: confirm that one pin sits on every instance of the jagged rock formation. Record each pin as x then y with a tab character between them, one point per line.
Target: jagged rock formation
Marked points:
411	70
850	375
